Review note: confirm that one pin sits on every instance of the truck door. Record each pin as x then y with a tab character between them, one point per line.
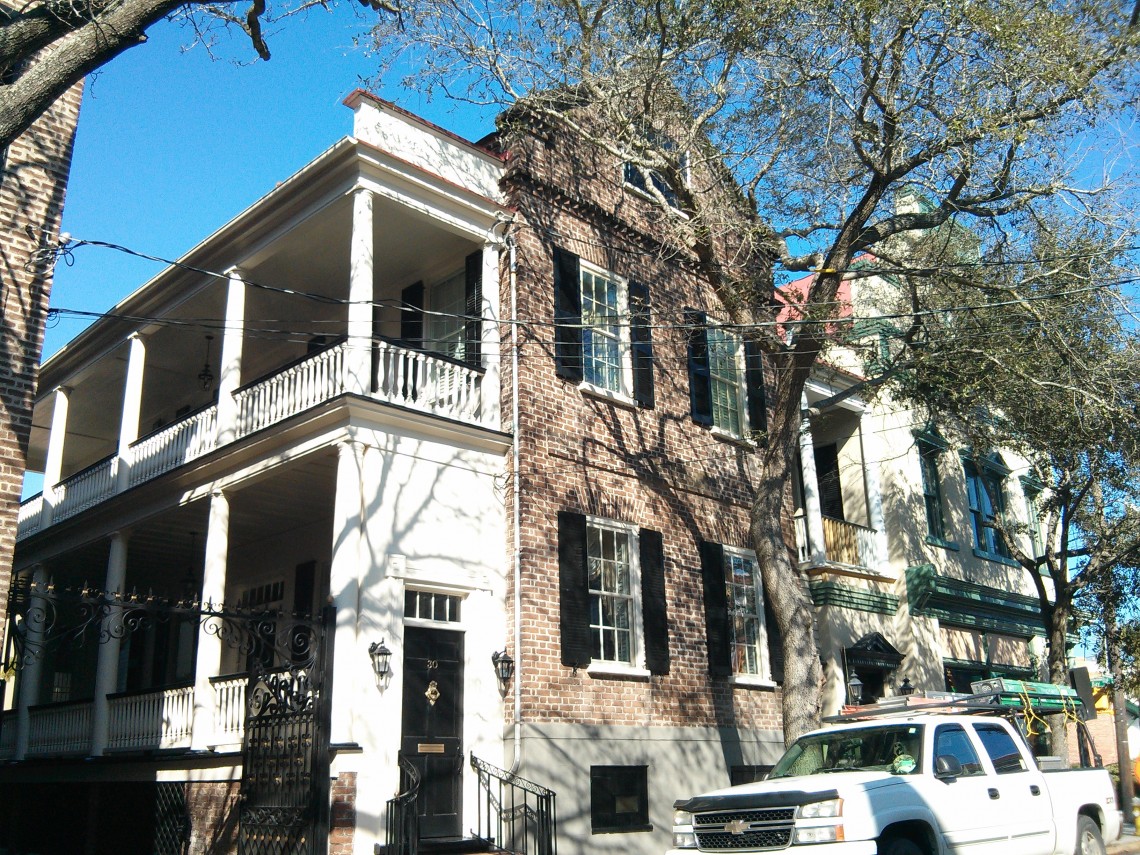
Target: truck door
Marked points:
1020	790
970	818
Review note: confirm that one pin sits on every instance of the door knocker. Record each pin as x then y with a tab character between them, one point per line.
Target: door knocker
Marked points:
432	693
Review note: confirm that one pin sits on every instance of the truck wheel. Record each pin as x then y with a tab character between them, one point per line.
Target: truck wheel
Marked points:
906	846
1089	841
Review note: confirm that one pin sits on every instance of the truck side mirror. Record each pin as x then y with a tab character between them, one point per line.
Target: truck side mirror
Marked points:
947	767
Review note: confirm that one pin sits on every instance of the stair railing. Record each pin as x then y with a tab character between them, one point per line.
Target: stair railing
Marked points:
515	815
403	827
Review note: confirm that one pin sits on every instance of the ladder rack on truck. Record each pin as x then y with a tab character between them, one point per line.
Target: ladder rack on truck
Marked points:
1021	702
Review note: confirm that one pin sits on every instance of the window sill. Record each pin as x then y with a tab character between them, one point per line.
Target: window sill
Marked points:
649	197
931	540
619	398
751	681
728	436
604	669
620	829
994	557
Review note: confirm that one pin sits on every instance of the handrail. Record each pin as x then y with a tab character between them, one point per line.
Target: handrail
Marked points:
403	826
515	815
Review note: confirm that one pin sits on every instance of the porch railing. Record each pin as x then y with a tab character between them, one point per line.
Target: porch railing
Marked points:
84	489
403	826
423	381
151	720
31	516
515	815
229	711
171	447
298	387
844	543
60	728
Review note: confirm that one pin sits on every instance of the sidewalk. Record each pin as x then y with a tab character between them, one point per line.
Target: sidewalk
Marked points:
1129	842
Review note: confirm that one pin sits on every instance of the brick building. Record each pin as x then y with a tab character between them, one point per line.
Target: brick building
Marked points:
467	395
33	183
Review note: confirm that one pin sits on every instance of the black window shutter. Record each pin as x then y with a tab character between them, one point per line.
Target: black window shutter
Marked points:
653	604
775	643
412	315
718	632
700	376
473	327
827	478
573	589
567	315
641	344
754	381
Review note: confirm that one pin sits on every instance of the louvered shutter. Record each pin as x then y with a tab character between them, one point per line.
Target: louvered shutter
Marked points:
653	604
473	326
573	590
775	643
412	315
641	344
754	381
718	632
700	375
567	315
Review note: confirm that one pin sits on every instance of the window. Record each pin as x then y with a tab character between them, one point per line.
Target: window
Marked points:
602	330
987	504
445	323
951	739
1031	489
642	178
453	324
745	596
726	378
424	605
1001	748
742	640
619	799
929	448
612	595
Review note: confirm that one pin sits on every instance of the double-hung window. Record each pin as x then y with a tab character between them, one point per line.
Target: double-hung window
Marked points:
930	447
726	378
602	334
1031	489
612	595
986	494
742	640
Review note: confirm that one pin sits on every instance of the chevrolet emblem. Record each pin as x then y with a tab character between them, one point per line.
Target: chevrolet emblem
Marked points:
737	826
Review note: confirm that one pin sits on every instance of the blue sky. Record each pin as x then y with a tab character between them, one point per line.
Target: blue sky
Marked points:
171	144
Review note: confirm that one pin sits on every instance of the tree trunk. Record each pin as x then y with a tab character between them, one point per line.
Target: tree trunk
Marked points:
1059	675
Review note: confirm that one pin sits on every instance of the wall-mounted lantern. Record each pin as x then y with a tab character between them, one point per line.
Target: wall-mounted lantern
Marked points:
504	668
381	661
854	689
906	688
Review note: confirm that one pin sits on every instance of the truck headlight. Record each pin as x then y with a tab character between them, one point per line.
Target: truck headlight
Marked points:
683	836
820	810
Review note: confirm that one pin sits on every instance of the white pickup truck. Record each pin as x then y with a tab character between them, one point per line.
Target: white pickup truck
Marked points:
919	784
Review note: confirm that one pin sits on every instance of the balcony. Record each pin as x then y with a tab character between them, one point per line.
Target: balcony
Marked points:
155	720
845	545
402	377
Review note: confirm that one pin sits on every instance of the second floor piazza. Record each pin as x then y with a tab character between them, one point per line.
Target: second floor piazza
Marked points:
373	274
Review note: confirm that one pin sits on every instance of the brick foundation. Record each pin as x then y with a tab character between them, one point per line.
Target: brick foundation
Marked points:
213	810
343	827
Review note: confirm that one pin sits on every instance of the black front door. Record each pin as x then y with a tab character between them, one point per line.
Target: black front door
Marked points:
433	721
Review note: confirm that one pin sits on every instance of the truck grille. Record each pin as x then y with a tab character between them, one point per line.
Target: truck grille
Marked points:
728	831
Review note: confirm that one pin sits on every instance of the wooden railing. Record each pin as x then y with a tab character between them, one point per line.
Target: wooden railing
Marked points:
229	712
844	543
427	382
171	447
84	489
60	728
151	720
288	392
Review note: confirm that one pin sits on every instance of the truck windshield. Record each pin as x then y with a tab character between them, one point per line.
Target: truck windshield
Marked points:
897	750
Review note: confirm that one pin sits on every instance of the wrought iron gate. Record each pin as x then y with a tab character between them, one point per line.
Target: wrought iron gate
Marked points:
285	758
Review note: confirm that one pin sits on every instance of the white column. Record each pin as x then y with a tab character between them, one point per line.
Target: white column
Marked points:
53	466
490	340
358	358
869	450
209	660
229	373
31	675
107	670
344	586
813	513
132	408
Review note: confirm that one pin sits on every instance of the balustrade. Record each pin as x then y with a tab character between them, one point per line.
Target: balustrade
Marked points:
60	728
151	720
426	382
171	447
31	516
298	387
844	543
229	710
84	489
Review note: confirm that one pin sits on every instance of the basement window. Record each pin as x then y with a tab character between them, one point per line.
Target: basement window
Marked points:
619	799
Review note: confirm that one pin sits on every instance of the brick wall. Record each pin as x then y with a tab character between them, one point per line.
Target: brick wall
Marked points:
652	468
213	809
343	828
32	189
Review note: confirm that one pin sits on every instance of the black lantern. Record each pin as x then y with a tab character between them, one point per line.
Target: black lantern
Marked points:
504	667
906	688
381	659
854	689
